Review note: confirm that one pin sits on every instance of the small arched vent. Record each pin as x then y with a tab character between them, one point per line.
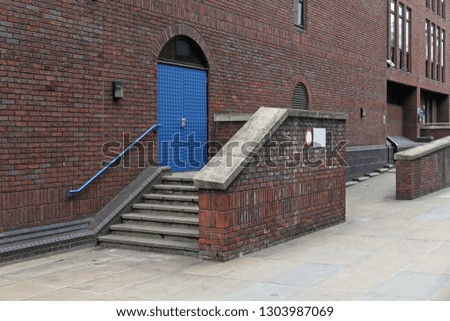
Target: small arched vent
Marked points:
300	97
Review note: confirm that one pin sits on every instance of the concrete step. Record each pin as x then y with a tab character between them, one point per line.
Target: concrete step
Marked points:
177	180
160	220
352	183
171	199
146	207
139	228
170	233
372	174
382	170
361	179
165	221
389	166
144	244
175	189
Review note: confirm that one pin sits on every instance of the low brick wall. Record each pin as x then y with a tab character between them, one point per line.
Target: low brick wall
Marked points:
436	132
270	201
423	170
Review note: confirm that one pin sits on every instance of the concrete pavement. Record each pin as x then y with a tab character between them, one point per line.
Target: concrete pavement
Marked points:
387	250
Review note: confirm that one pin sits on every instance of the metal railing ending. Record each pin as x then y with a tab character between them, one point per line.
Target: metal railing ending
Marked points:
76	191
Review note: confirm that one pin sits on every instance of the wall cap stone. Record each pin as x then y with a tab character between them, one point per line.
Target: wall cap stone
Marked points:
231	117
226	165
316	114
423	150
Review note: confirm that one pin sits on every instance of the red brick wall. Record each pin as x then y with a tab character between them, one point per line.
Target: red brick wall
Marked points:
225	130
59	59
419	177
394	120
266	205
436	133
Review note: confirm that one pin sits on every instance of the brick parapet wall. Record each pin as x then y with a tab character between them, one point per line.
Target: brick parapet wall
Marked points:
428	173
436	133
266	205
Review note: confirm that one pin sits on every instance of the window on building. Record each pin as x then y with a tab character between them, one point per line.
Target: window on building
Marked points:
436	6
427	49
438	54
442	55
408	39
183	50
400	35
300	97
299	13
432	51
393	29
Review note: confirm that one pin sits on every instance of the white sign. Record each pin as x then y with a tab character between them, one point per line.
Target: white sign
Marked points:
320	137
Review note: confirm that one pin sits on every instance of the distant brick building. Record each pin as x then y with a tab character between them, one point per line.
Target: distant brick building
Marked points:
376	61
417	81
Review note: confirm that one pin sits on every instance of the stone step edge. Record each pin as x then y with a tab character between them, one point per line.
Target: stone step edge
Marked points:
171	197
173	231
148	242
188	188
166	208
161	218
178	179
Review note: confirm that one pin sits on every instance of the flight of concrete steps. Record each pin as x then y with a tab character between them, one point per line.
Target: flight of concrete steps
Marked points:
165	222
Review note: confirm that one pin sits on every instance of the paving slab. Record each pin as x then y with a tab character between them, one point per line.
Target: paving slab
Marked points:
307	275
443	294
62	294
20	291
265	292
116	281
411	285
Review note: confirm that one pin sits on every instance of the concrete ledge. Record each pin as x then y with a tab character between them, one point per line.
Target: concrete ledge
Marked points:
435	127
231	117
316	114
421	151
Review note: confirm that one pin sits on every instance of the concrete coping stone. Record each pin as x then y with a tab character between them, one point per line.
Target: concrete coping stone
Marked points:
231	117
423	150
436	127
316	114
228	163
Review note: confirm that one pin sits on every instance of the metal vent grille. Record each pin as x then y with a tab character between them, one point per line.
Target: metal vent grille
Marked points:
300	97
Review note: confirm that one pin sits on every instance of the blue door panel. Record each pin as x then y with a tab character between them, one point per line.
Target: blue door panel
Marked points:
182	93
195	113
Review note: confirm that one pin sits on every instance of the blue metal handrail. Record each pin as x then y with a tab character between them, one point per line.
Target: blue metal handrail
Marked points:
76	191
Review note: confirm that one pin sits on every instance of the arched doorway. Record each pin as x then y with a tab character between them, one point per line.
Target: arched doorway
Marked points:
182	105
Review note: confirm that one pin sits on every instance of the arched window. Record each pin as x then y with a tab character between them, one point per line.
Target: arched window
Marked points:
300	97
183	50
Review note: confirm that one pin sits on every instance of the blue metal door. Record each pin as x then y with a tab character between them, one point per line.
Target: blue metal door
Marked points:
182	113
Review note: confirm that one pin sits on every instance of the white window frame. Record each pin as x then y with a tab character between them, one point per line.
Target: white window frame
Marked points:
299	13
